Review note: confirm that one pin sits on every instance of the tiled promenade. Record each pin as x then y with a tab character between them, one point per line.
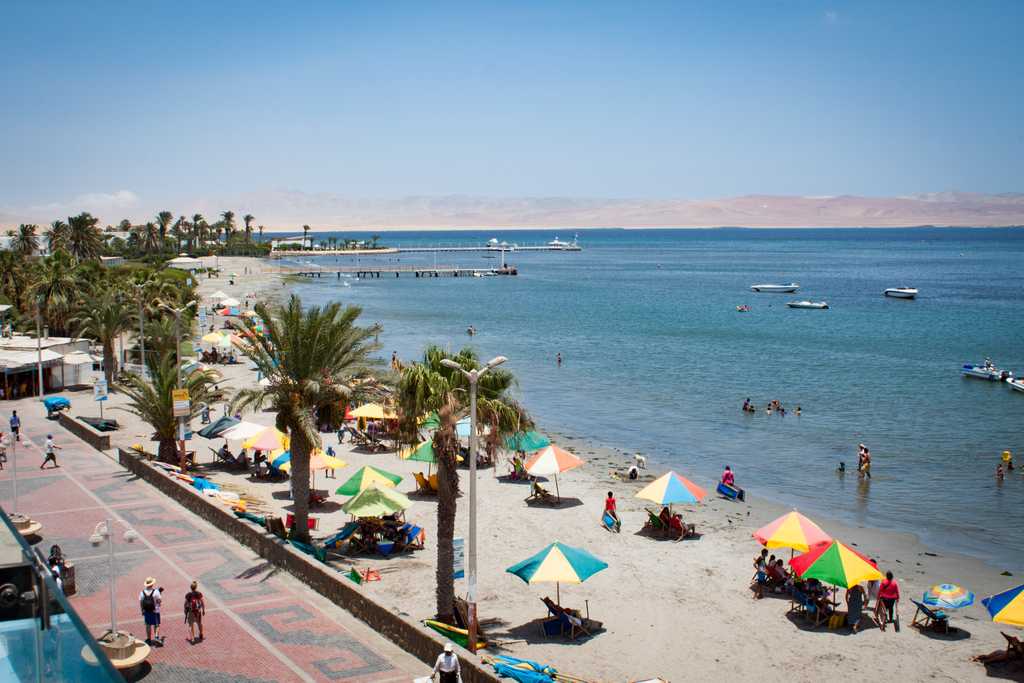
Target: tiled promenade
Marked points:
261	625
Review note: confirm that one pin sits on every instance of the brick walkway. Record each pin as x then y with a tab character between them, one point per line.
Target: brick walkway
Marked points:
260	625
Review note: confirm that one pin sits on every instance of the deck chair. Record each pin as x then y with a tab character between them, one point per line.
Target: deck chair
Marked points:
423	484
411	537
801	604
343	535
567	621
926	617
539	494
654	523
275	525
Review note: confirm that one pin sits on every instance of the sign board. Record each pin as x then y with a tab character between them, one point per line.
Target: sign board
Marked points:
459	563
99	390
179	397
202	319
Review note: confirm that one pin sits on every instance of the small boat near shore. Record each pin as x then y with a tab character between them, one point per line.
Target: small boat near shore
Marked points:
901	292
743	308
776	289
1016	384
986	371
819	305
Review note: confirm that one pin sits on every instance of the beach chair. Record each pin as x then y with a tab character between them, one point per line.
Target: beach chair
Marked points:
410	537
566	621
802	604
541	495
343	535
610	523
654	523
926	617
432	482
313	523
423	484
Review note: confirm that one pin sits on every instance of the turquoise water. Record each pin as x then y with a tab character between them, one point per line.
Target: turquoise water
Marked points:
657	360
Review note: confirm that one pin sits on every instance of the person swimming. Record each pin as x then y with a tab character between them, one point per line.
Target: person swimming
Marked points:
842	467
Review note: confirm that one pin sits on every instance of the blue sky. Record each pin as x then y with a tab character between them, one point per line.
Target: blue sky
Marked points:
175	102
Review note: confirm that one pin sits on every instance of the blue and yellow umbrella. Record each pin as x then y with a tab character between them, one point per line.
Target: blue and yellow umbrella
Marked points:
558	563
947	596
1007	607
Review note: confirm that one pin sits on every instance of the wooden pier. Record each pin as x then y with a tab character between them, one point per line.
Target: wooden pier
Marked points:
374	271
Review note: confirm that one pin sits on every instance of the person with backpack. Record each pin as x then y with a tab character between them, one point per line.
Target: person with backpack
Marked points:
149	602
195	610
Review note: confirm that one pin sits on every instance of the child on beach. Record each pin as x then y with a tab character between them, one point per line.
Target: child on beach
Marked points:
609	510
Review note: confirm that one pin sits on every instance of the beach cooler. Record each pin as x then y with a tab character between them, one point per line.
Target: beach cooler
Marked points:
730	492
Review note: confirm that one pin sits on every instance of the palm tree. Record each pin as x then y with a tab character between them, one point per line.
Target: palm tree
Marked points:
373	241
58	235
261	232
199	228
228	219
248	218
151	400
104	318
149	238
312	359
305	236
26	241
178	229
15	278
163	220
85	240
428	386
57	289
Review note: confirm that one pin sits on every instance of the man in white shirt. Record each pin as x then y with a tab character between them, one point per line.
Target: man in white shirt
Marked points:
149	602
447	666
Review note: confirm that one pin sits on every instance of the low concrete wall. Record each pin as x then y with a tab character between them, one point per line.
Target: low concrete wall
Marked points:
410	636
98	440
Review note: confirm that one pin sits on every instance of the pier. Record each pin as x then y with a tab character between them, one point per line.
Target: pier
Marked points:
369	271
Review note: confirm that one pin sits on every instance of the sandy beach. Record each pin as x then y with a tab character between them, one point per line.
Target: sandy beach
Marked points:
682	611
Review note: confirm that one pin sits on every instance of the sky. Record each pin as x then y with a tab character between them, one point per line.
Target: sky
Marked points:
130	106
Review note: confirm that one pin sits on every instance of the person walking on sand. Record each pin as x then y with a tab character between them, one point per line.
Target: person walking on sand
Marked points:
15	425
447	668
195	610
149	603
888	602
609	510
50	449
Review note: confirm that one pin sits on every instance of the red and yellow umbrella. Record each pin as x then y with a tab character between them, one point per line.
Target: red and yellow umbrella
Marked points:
791	530
835	564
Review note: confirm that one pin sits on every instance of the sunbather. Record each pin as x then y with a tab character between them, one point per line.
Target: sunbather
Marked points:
1014	648
677	529
666	517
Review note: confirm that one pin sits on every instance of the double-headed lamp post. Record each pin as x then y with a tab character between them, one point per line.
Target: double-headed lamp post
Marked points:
105	530
473	376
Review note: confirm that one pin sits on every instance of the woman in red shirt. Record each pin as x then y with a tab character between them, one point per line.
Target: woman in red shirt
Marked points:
609	510
888	598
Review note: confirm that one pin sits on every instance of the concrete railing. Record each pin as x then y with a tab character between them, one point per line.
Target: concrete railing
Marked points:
328	582
95	438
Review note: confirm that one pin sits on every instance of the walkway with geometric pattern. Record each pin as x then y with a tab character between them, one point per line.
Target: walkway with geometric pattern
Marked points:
260	625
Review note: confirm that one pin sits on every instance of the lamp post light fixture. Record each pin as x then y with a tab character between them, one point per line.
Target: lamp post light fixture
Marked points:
104	531
473	376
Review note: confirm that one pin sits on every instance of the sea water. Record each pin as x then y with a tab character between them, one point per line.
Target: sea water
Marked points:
657	360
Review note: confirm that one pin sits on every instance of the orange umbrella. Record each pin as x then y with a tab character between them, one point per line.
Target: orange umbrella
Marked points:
551	460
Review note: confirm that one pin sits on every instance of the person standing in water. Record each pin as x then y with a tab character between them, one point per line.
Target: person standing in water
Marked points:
558	359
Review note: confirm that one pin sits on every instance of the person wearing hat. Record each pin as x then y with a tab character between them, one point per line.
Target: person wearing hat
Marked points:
149	603
447	665
50	449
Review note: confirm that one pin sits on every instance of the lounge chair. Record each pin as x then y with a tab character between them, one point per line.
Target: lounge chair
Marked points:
804	605
343	535
423	484
611	523
432	481
926	617
229	459
565	621
410	537
367	442
654	523
539	494
312	523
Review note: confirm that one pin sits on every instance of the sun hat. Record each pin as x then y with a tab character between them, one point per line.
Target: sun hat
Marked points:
448	647
150	582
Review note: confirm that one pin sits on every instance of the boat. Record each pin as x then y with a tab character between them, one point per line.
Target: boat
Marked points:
564	246
743	309
1015	384
901	292
986	371
820	305
776	289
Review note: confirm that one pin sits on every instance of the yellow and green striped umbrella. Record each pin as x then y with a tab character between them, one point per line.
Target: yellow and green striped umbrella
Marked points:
365	477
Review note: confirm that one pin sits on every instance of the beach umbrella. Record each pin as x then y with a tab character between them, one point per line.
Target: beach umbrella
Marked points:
672	488
1007	607
365	477
430	421
374	411
551	460
281	460
375	501
218	295
212	338
558	563
250	314
526	441
217	428
791	530
230	303
318	460
421	452
947	596
243	430
836	564
269	439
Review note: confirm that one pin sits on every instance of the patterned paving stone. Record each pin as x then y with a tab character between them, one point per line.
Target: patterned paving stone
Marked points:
217	568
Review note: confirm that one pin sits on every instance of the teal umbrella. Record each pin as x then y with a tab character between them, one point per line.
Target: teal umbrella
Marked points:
558	563
527	441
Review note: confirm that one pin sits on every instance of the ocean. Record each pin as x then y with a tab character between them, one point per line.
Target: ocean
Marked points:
657	360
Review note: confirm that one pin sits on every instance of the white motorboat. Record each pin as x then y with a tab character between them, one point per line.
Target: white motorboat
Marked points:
1016	384
901	292
776	289
564	246
986	371
820	305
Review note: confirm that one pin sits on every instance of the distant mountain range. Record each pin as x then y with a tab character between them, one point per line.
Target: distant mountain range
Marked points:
289	210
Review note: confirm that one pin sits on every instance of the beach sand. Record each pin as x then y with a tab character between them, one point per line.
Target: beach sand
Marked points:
682	611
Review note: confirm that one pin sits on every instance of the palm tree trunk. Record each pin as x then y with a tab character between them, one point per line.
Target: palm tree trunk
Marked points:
108	361
301	449
448	490
168	451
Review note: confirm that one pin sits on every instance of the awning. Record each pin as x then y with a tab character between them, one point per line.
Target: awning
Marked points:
17	361
81	358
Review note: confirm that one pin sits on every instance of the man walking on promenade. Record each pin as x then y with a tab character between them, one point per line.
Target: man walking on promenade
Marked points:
50	449
16	425
195	610
149	602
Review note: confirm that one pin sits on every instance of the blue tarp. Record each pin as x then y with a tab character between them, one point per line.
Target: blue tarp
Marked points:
55	403
521	675
203	484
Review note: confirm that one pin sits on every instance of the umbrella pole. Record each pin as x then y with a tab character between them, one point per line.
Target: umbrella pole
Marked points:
558	594
557	493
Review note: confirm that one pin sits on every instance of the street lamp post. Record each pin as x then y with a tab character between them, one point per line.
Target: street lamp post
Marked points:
142	333
39	348
473	376
177	349
105	530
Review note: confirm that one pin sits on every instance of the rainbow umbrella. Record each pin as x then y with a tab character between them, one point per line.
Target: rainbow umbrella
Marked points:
1007	607
558	563
948	596
270	439
550	461
835	564
672	488
366	476
791	530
